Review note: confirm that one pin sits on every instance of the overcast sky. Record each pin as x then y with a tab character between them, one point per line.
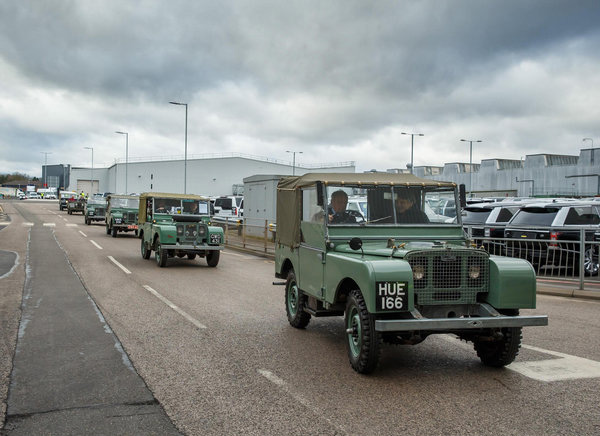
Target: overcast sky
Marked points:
336	80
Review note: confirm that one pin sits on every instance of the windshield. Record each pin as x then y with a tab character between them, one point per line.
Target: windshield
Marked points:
535	216
96	201
174	206
385	205
130	203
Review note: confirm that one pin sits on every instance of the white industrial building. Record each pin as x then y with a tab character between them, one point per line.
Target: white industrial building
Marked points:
208	175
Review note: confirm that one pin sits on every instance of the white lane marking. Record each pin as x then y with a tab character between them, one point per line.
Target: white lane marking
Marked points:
83	233
49	224
27	224
71	225
308	404
567	367
125	270
97	246
175	308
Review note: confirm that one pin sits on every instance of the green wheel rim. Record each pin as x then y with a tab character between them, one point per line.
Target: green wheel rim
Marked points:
354	332
293	299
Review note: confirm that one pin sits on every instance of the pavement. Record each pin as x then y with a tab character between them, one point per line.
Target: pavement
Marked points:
70	374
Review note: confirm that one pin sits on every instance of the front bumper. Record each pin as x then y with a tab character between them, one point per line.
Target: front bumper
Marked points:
192	247
452	324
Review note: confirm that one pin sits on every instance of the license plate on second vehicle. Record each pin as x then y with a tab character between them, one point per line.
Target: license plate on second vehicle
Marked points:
132	227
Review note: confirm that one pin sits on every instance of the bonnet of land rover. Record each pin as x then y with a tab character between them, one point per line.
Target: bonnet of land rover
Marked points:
398	272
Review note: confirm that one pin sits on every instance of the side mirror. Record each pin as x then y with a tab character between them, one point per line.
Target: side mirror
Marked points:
356	243
320	200
462	195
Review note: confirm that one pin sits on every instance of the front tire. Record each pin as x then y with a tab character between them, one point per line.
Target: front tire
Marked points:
160	255
191	256
295	302
87	221
107	229
212	258
503	351
363	342
145	251
114	232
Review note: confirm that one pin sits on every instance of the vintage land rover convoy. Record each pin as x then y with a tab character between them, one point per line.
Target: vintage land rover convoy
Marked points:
397	271
121	214
177	225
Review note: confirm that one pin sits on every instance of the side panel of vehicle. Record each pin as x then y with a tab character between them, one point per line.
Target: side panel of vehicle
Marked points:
512	284
167	233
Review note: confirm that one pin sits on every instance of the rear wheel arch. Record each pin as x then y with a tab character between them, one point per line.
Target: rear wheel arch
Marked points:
286	267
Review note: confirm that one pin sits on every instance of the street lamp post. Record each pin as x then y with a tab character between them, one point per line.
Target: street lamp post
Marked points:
293	160
46	153
185	157
471	141
126	156
412	142
92	172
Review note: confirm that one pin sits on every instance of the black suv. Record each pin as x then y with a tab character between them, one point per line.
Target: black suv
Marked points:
549	234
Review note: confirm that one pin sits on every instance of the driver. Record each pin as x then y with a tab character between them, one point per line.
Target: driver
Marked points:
161	207
337	209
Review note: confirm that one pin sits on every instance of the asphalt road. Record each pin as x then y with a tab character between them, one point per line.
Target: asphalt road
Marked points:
215	350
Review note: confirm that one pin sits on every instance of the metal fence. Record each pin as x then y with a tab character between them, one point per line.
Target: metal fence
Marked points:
575	260
257	235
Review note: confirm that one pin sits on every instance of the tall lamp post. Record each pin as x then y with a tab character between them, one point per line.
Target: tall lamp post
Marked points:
412	143
471	141
126	156
293	160
92	172
185	157
46	153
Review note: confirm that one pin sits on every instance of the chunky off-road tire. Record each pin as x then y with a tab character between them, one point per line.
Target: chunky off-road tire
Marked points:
295	301
362	341
212	258
114	232
70	212
160	255
145	251
191	256
107	229
501	352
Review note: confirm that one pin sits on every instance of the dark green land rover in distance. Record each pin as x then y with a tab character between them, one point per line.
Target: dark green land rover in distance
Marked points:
395	270
121	214
178	225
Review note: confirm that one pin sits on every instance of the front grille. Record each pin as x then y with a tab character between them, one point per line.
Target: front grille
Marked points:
131	217
446	275
191	232
99	211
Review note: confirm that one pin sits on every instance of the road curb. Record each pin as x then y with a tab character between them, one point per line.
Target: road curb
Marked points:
569	293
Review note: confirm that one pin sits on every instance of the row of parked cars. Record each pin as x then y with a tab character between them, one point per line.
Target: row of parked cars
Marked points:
547	232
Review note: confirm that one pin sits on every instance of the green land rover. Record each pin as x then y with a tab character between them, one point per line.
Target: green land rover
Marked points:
95	210
178	225
397	271
121	214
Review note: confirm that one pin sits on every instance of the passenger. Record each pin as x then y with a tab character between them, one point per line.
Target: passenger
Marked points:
407	209
337	210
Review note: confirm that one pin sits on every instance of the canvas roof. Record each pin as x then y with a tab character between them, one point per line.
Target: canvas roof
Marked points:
358	179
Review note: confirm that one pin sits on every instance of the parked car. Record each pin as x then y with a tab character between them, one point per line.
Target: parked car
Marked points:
178	225
397	276
231	206
121	214
549	234
95	210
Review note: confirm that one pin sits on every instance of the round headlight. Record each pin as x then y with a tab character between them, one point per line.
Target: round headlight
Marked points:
474	271
418	272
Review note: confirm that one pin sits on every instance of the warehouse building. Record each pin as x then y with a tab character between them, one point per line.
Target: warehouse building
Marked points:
537	175
211	176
